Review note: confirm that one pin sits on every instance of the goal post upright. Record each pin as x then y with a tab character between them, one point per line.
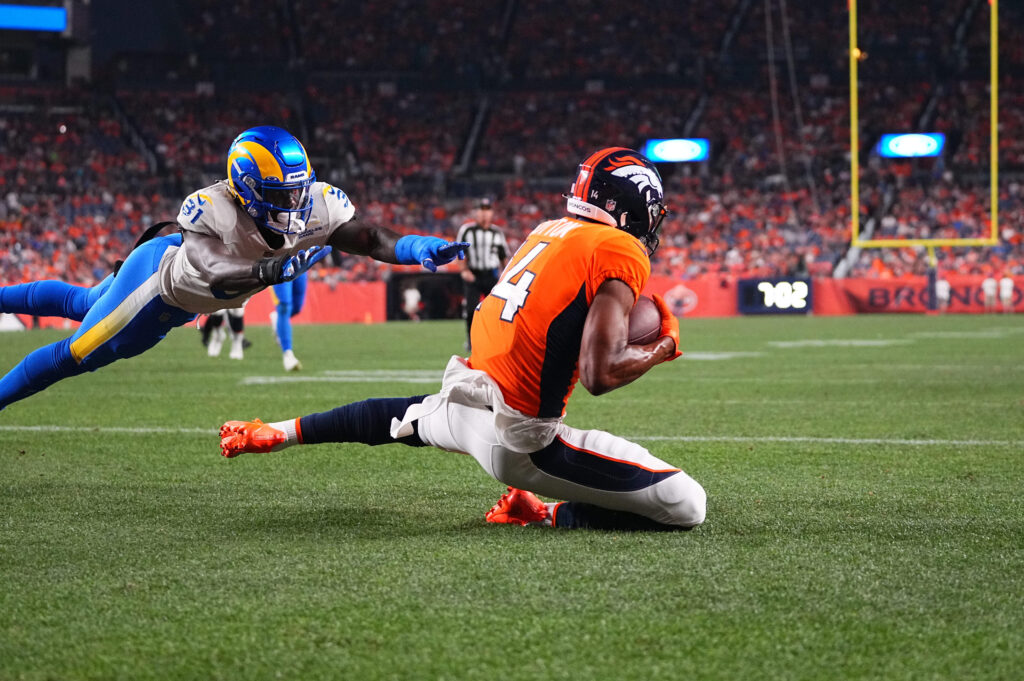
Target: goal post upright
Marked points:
993	237
854	52
993	115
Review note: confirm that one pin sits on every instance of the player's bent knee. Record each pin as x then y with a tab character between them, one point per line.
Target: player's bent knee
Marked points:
683	500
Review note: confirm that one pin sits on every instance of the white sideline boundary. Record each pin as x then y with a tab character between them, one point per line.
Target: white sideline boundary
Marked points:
154	430
829	440
159	430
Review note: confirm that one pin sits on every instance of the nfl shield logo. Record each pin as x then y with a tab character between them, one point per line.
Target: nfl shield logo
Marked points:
609	204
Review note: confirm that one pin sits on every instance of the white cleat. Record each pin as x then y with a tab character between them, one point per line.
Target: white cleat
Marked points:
291	362
216	342
237	349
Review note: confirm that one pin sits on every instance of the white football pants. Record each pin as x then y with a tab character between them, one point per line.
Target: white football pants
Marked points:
589	466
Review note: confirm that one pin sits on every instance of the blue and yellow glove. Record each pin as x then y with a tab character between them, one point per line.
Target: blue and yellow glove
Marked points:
284	268
429	251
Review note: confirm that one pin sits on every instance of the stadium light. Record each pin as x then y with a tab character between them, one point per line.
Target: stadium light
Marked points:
912	145
676	150
23	18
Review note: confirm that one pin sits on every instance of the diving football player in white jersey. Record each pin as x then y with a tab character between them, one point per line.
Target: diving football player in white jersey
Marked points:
266	224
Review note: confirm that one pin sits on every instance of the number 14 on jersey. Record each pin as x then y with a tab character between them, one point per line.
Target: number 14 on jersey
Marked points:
515	294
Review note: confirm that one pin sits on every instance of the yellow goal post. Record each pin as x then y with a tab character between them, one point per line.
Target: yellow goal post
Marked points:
993	238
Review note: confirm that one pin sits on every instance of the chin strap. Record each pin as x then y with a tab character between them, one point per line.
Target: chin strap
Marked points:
587	210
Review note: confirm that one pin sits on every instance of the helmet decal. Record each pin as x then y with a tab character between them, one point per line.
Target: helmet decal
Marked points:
644	178
270	169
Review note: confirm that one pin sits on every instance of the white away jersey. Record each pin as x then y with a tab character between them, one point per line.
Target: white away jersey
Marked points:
213	211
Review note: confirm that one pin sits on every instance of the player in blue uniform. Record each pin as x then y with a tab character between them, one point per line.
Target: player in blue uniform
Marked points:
266	224
288	300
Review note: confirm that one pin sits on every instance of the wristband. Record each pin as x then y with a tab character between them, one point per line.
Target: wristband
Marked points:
405	250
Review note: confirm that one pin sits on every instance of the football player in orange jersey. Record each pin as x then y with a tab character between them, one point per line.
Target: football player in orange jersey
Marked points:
558	314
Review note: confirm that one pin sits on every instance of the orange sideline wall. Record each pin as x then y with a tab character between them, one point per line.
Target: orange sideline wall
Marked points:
347	302
907	294
708	296
715	296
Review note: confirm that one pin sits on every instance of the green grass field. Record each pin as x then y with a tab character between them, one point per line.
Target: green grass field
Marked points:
865	518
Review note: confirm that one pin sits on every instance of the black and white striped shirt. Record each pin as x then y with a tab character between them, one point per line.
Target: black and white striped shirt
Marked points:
487	247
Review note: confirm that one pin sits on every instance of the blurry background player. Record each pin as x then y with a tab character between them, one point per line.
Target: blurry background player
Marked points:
288	301
989	285
236	237
1006	293
412	302
560	313
485	258
214	334
942	290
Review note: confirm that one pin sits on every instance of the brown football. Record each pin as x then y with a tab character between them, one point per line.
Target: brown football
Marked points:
644	322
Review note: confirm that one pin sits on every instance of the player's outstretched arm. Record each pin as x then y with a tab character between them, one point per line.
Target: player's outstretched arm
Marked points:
227	272
381	243
218	267
607	361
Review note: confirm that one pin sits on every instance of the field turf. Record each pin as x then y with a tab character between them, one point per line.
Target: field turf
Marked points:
865	518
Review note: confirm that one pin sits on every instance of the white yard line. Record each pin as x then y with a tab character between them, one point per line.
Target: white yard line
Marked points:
1010	403
146	430
716	356
272	380
159	430
838	343
830	440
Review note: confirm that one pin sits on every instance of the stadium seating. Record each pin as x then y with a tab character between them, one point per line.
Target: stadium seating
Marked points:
460	99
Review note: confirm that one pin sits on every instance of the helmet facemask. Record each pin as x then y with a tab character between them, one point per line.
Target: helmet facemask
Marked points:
287	205
647	229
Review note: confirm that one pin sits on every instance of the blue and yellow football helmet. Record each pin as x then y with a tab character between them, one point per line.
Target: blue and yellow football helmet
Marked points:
270	175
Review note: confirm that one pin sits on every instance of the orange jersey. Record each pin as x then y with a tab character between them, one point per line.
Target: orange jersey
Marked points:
527	332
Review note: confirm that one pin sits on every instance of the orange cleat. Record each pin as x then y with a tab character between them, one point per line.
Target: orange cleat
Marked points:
239	437
517	507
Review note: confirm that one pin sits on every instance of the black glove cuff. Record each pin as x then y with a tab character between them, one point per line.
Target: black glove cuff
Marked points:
268	271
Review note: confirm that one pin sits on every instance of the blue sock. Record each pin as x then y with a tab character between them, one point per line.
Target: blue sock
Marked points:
51	298
40	369
284	327
368	422
577	515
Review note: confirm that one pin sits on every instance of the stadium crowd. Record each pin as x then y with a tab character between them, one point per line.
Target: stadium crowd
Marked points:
83	173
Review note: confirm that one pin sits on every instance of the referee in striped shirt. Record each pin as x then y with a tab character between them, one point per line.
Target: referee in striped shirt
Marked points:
485	258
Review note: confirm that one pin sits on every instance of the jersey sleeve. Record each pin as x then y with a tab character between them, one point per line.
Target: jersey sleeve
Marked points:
621	257
340	208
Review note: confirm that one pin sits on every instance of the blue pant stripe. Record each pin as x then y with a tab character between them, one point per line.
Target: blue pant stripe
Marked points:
591	470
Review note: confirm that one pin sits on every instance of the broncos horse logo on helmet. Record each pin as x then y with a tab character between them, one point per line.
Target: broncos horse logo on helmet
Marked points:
270	175
622	188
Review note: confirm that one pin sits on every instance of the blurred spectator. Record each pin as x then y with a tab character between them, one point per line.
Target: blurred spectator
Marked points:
424	103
